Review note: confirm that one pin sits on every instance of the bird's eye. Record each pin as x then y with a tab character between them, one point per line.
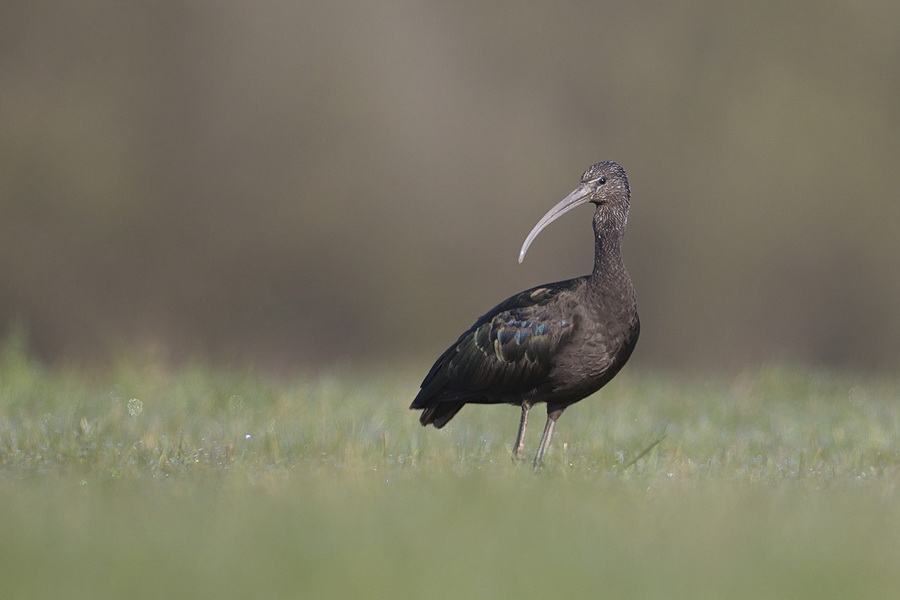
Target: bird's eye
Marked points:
601	181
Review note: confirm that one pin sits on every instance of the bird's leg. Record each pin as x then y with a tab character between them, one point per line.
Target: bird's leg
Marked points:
519	448
545	438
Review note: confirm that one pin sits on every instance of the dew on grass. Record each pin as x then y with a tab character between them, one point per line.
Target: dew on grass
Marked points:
135	407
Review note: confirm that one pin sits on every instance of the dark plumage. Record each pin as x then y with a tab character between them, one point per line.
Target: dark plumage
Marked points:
556	343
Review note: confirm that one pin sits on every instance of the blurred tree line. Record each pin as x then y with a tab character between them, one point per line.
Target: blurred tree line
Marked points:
298	183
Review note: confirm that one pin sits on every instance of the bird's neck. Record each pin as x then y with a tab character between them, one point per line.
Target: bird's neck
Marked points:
609	281
608	263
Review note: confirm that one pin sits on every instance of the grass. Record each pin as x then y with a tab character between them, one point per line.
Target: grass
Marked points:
150	482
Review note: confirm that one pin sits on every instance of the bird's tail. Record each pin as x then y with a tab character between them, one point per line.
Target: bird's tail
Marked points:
439	413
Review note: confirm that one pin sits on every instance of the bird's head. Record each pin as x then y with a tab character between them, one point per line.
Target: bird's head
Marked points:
605	185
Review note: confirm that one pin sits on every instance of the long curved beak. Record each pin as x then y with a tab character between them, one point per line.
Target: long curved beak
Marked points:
579	196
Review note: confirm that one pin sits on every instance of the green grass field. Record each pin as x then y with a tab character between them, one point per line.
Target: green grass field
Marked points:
149	482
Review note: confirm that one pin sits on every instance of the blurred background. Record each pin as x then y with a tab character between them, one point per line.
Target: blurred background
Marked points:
297	184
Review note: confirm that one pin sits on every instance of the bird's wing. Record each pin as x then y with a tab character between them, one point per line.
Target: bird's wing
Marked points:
509	349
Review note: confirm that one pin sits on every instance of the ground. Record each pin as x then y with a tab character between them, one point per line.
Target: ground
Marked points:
145	481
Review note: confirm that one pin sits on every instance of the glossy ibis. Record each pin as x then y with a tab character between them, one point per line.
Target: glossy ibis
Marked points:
555	343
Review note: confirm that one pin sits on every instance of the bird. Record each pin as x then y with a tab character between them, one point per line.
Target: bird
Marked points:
556	343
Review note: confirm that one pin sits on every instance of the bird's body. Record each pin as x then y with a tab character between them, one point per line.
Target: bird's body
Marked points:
556	343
